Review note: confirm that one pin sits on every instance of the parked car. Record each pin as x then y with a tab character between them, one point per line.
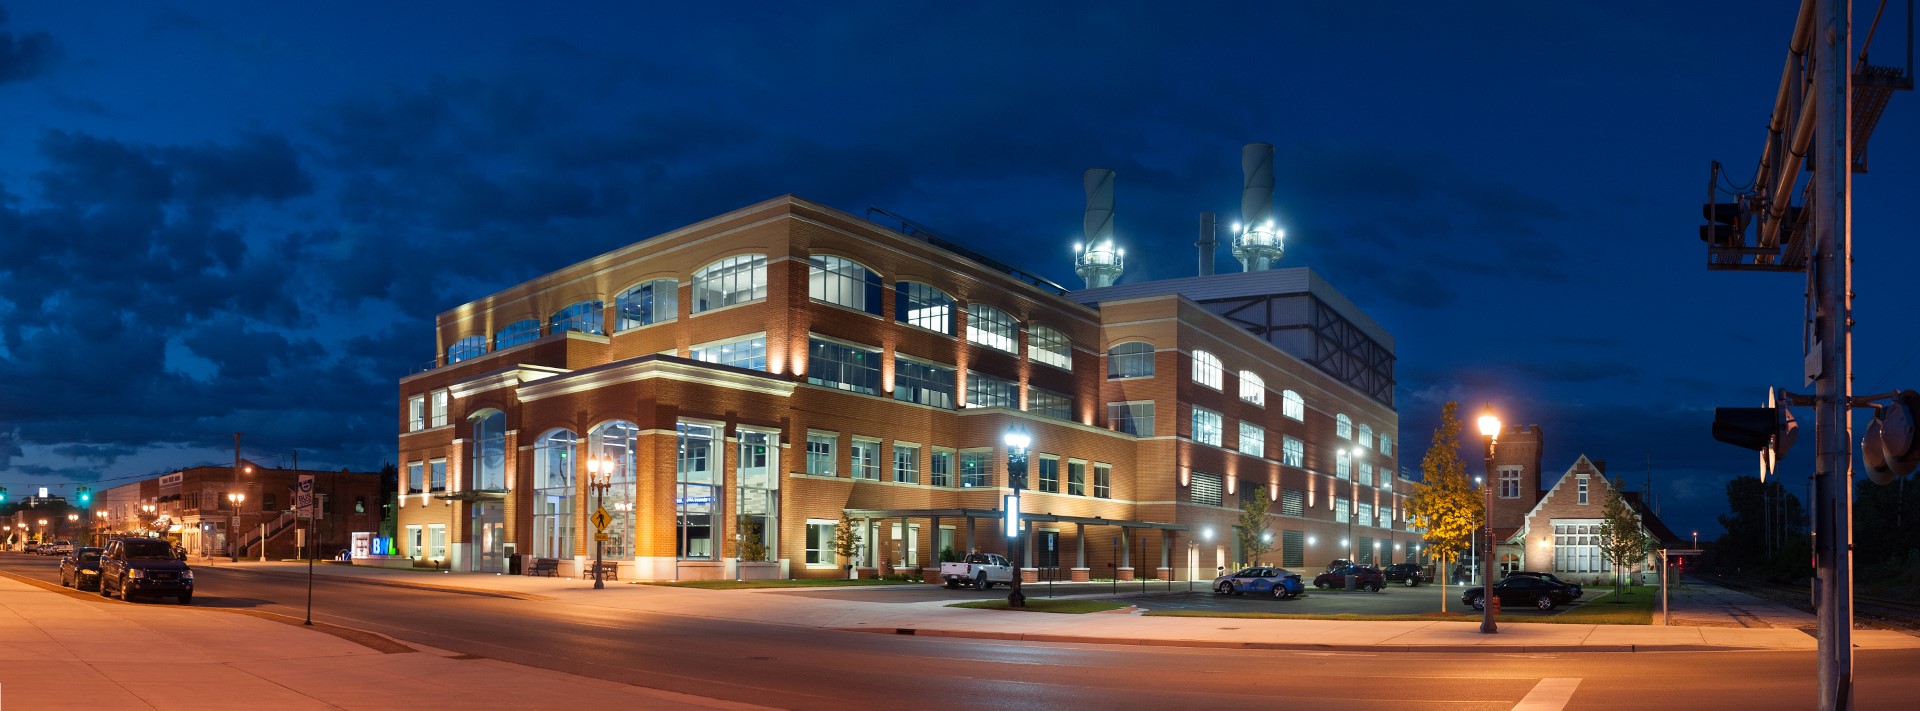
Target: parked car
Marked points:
1408	574
1366	577
144	566
1278	582
1337	563
981	570
31	547
81	569
1522	590
1577	590
57	548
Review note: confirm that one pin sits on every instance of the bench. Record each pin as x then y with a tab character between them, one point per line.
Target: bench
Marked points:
549	567
609	570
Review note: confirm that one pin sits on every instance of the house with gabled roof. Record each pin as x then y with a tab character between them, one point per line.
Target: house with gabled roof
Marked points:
1561	533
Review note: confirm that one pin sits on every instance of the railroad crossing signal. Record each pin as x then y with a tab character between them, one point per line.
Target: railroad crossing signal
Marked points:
601	518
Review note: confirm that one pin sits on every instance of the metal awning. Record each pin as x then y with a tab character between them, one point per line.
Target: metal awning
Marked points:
1024	515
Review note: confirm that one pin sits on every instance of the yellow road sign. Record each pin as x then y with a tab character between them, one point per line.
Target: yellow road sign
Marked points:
601	537
601	518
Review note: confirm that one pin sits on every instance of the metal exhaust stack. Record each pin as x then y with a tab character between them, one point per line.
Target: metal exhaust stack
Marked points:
1097	260
1258	244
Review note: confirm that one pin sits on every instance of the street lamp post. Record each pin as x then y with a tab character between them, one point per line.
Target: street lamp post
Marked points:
1017	441
1489	430
233	532
599	478
100	533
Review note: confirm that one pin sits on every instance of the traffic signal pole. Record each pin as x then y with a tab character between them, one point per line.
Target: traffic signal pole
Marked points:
1832	291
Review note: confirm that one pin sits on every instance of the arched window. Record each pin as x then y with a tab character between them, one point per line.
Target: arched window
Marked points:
647	304
516	333
1206	369
924	306
734	280
1050	347
617	444
992	328
1343	426
1132	359
1292	406
469	347
1366	436
553	477
1252	388
582	316
490	451
843	282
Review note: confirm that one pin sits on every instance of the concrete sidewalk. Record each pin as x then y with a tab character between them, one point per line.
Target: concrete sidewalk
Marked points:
936	619
60	649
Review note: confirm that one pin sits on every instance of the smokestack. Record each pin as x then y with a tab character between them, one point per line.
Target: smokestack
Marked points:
1098	261
1258	244
1206	244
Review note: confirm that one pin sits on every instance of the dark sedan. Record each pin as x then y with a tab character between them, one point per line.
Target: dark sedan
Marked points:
81	569
1366	577
1522	590
1408	574
1577	590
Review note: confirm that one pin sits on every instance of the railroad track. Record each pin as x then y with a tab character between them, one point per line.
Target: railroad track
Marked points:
1879	611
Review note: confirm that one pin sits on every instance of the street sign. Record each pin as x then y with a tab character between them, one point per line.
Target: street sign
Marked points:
601	537
303	496
601	519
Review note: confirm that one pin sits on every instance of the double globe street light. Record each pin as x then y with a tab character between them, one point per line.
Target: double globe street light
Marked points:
1017	441
1490	431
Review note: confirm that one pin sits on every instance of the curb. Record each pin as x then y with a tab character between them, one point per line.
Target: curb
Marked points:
396	584
1301	647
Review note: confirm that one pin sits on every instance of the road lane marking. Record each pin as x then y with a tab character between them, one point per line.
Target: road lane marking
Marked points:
1551	694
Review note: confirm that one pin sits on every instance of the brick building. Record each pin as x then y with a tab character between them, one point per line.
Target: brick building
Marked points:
746	380
1557	528
191	508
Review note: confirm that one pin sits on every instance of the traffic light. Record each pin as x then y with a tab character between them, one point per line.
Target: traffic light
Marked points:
1726	222
1756	428
86	496
3	494
1890	447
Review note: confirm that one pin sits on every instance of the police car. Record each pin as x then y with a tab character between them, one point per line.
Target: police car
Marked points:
1278	582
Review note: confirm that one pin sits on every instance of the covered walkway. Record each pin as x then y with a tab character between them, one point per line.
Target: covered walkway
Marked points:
1127	537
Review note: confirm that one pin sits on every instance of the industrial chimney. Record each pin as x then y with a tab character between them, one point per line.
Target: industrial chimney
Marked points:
1257	243
1097	260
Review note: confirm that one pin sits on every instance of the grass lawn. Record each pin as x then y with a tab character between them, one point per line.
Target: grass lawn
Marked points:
802	583
1068	607
1598	608
1426	617
1602	607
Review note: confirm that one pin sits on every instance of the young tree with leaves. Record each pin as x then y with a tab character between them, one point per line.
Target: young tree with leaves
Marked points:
1253	526
845	543
1444	504
1622	539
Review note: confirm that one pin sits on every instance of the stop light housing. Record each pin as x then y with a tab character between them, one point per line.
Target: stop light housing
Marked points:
1749	427
1726	221
1890	446
86	495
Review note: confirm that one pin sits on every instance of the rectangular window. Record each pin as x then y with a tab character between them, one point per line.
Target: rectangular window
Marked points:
1204	488
820	454
992	328
923	382
416	542
940	468
1343	465
1386	478
1049	346
1134	418
1293	452
1076	478
437	469
1293	548
1253	440
1366	514
416	413
415	471
1206	426
820	541
906	463
1366	473
734	280
437	541
865	455
649	303
1583	490
440	409
697	490
987	391
1049	474
757	494
1365	550
924	306
1293	502
1386	445
974	470
843	366
270	502
1342	508
1047	403
1102	481
748	352
1509	483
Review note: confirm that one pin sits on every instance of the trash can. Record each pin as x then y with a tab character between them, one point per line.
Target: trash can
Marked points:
1352	580
513	565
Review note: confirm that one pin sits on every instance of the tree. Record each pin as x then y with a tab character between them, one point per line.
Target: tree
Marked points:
1622	539
748	544
845	543
1444	505
1253	525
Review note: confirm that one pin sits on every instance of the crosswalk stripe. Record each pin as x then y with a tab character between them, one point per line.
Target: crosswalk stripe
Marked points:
1550	694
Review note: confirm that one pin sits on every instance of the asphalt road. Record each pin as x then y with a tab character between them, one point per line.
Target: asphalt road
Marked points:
800	667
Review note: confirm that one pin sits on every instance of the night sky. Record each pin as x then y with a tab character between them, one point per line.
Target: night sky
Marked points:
241	216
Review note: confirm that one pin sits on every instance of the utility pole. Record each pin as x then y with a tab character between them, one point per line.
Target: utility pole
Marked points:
233	533
1832	281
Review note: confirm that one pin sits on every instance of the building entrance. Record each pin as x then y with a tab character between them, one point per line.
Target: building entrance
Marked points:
488	538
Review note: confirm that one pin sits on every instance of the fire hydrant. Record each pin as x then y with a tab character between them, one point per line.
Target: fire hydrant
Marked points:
1495	602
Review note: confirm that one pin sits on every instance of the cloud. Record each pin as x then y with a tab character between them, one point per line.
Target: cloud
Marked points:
26	55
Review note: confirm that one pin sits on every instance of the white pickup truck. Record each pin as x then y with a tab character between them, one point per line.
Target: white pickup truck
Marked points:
981	570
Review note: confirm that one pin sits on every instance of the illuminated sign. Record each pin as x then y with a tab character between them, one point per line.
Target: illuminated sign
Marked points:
693	500
1013	515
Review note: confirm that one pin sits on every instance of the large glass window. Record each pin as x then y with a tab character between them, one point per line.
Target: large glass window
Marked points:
940	468
1102	481
437	471
1253	440
1048	403
1576	549
1292	406
437	541
1342	509
1343	426
1206	426
757	489
1509	483
734	280
748	352
553	474
1293	452
924	306
987	391
1252	388
1206	369
1049	346
843	366
1366	436
1076	478
1366	473
974	469
648	303
1049	468
516	333
1134	418
992	328
490	451
465	348
416	482
1386	445
440	408
697	490
584	316
820	454
1132	359
843	282
820	541
923	382
1343	464
865	457
416	413
618	443
906	463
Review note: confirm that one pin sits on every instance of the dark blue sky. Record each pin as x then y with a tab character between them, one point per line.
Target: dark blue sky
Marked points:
237	216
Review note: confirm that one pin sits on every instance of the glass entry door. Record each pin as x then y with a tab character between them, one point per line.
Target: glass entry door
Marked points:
488	539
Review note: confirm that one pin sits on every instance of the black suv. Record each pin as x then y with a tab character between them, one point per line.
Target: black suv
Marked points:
1408	574
144	566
